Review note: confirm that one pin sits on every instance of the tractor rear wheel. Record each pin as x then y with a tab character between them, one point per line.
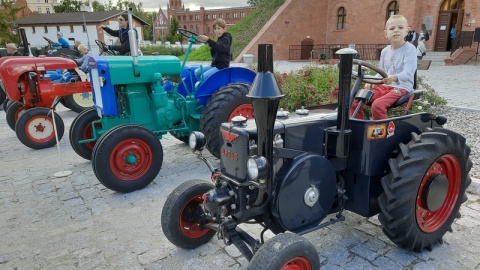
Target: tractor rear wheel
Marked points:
229	101
35	128
3	96
424	189
182	215
81	129
13	112
286	251
127	158
78	102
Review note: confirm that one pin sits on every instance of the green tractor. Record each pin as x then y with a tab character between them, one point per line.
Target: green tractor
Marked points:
139	99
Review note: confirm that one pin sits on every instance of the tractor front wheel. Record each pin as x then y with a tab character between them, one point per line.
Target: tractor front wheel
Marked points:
286	251
3	96
229	101
183	215
424	189
82	129
13	112
127	158
35	128
78	102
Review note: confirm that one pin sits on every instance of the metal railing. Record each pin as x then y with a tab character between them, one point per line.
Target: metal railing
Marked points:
463	39
327	51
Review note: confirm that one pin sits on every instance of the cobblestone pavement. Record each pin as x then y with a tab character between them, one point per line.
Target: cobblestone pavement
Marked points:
76	223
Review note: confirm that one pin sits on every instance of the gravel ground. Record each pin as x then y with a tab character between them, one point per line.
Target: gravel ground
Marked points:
466	122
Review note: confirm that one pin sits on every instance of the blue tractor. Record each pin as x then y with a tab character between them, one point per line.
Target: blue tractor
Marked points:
139	99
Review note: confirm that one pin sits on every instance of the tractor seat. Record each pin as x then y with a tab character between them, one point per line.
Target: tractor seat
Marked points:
408	99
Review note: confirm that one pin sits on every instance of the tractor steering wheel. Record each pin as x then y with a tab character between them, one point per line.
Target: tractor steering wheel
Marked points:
50	42
368	78
185	33
71	57
101	45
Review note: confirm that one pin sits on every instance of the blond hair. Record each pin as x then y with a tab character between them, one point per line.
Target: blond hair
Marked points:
82	47
396	17
220	22
11	46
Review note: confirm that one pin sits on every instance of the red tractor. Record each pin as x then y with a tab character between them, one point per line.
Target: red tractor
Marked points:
288	174
31	94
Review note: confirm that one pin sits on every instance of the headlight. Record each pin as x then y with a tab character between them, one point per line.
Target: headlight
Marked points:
196	141
256	167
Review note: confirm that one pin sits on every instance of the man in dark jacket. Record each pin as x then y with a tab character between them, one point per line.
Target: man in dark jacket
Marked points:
12	50
220	50
122	34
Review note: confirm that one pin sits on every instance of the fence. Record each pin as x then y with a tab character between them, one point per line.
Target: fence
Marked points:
463	39
327	51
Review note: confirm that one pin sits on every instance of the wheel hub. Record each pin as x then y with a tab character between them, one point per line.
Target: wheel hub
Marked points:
131	159
40	128
435	192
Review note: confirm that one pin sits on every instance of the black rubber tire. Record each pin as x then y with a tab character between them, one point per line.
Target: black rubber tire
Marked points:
62	101
119	144
217	111
6	104
3	96
41	120
406	180
72	103
14	111
175	215
283	250
81	130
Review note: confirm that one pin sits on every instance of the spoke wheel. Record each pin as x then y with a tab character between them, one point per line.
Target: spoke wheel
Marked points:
223	105
127	158
425	188
81	129
286	251
183	216
35	128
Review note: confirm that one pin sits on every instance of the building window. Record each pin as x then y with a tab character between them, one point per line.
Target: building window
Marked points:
38	1
197	29
214	16
242	14
71	28
393	9
39	10
45	29
46	1
235	15
191	17
196	17
47	9
208	17
227	15
452	4
33	29
191	28
220	16
185	27
341	18
208	28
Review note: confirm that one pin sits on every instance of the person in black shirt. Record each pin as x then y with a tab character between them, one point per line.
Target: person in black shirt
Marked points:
220	49
122	34
12	50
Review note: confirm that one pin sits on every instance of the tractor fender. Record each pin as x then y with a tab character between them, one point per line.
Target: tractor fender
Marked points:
222	78
188	80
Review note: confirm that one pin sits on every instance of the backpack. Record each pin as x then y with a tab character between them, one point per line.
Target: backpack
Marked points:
426	36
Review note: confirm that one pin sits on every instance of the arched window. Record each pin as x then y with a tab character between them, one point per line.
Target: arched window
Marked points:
392	9
452	4
341	18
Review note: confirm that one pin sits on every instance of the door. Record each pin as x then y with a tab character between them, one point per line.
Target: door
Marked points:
307	47
443	30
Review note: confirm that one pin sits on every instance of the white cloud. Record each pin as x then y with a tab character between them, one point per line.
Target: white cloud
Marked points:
153	5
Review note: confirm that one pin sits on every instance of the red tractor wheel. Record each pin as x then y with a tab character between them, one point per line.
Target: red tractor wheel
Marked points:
127	158
35	128
81	129
424	189
13	112
182	215
229	101
286	251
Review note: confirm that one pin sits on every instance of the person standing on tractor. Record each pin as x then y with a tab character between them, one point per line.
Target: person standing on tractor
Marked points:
62	43
12	50
399	61
122	34
220	50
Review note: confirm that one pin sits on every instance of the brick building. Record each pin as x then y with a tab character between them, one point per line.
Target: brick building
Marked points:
343	22
198	21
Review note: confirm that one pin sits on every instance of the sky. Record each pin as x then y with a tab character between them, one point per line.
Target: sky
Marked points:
153	5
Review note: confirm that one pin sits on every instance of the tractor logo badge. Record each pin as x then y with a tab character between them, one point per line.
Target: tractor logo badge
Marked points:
375	132
229	137
391	129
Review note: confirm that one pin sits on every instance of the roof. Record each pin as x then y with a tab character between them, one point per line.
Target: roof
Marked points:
72	17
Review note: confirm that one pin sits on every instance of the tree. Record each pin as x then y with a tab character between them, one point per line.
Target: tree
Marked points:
253	3
7	15
68	6
172	35
97	6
